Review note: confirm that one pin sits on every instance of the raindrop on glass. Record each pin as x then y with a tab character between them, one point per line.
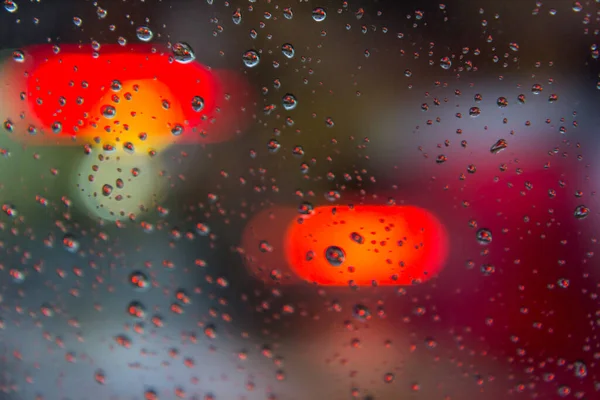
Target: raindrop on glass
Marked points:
335	255
251	58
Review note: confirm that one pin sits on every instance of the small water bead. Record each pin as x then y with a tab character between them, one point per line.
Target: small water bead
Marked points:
445	63
484	236
18	56
288	13
273	146
553	98
288	50
478	97
502	102
8	125
144	34
56	127
70	243
10	210
197	103
361	312
177	130
488	269
289	102
101	12
537	89
474	112
108	111
265	247
251	59
77	21
183	53
107	189
581	212
319	14
514	47
236	17
305	208
357	237
136	309
139	281
335	255
580	369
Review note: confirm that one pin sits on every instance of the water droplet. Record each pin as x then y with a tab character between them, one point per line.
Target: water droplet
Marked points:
521	98
319	14
553	98
514	46
357	237
265	247
288	13
8	126
305	208
197	103
139	281
502	102
445	63
10	6
136	309
361	312
108	111
288	50
335	255
144	34
580	369
70	243
484	236
289	102
18	56
273	146
537	89
10	210
487	269
183	53
581	212
77	21
56	127
101	12
177	130
251	58
107	189
474	112
500	145
237	17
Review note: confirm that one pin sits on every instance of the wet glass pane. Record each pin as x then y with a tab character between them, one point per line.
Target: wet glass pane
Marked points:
289	200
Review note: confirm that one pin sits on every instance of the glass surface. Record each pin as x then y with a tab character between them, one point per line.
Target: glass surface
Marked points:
290	200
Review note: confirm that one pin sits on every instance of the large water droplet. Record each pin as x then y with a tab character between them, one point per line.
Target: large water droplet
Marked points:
289	102
144	34
251	58
288	50
484	236
319	14
581	212
139	281
183	53
197	103
335	255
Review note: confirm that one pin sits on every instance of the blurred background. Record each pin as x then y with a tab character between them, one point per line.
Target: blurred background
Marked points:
164	271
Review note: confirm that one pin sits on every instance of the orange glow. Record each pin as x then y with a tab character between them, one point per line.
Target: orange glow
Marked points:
70	88
386	245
